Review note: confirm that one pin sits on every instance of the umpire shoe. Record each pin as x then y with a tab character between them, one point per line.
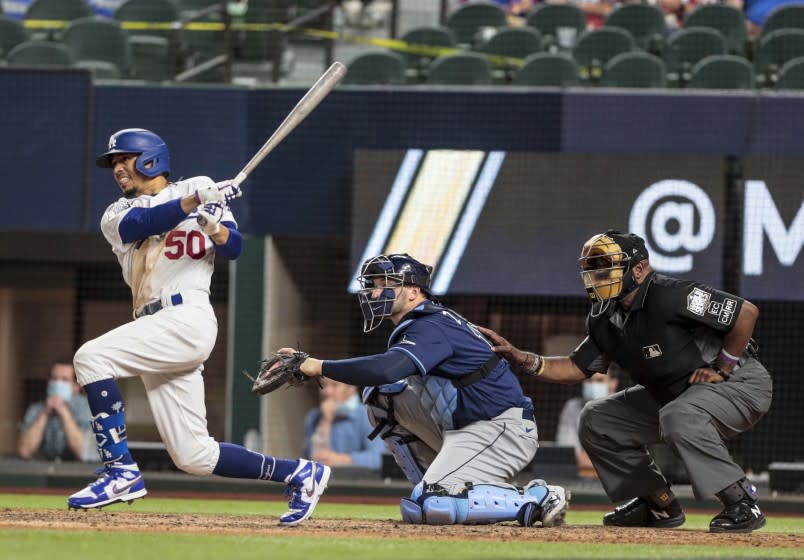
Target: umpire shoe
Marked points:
639	513
117	483
740	517
305	487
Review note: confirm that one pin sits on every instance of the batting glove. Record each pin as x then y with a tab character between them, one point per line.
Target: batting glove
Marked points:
224	192
209	217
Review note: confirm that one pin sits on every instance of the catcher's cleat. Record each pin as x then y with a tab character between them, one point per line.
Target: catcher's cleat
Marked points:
740	517
117	483
555	506
639	513
306	485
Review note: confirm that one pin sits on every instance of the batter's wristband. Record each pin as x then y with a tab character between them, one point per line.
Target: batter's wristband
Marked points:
538	365
728	358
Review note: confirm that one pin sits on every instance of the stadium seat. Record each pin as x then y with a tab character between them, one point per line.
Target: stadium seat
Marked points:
790	16
634	70
559	24
547	69
686	47
728	20
40	54
12	33
595	48
264	45
57	10
791	75
376	68
468	21
644	22
774	50
460	69
514	43
154	52
200	45
99	44
723	71
429	36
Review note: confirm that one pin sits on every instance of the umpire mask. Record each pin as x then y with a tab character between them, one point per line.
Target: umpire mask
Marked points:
606	261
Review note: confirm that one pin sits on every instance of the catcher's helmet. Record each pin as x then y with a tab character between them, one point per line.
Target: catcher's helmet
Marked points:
606	261
396	270
150	147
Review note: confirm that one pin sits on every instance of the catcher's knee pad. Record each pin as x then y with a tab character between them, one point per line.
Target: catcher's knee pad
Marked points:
477	505
404	457
110	435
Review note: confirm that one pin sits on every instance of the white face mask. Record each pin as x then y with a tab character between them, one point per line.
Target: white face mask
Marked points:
60	388
592	391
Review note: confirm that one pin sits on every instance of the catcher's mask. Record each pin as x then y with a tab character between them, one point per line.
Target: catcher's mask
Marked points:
150	147
397	270
606	267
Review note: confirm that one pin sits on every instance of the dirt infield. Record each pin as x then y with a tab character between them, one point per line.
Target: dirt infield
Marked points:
351	528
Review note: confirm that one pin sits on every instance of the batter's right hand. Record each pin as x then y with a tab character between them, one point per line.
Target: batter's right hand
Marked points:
504	348
223	191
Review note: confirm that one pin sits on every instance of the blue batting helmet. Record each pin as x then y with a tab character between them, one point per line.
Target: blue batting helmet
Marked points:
150	147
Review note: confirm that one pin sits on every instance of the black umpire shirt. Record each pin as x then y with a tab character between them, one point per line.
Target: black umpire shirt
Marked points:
663	337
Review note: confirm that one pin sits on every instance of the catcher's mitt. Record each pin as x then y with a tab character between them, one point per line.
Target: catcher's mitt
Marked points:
280	369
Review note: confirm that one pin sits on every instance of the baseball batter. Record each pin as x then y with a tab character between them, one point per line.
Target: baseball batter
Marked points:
452	412
689	348
165	236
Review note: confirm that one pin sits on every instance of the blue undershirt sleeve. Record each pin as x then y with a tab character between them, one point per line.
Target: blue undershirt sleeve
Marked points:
141	223
231	249
378	369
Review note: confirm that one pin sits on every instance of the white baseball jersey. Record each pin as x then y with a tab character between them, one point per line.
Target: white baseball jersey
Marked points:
179	260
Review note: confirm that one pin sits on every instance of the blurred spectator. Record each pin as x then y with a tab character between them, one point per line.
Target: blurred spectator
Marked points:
16	8
595	10
757	11
598	386
58	427
336	432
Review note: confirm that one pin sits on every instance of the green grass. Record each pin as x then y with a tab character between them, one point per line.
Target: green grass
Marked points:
49	544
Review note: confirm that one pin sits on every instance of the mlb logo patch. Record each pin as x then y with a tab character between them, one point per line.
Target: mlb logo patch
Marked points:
652	351
697	301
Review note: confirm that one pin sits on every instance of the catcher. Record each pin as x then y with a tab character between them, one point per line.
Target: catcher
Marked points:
451	411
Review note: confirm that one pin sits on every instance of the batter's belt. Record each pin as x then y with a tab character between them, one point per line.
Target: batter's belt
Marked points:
190	296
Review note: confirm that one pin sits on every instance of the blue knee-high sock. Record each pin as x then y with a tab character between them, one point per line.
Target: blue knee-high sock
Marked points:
104	398
236	461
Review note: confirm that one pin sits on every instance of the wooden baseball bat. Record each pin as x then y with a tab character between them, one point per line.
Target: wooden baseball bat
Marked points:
320	89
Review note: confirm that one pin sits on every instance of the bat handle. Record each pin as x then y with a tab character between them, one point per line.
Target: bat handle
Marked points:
239	179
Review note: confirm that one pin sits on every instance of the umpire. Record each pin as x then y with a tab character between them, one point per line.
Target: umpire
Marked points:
699	383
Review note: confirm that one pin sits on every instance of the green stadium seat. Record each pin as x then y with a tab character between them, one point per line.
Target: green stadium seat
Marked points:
99	44
547	69
644	22
790	16
468	21
201	45
40	54
432	36
154	52
723	71
634	70
560	25
460	69
595	48
774	50
376	68
686	47
515	43
12	33
728	20
791	75
58	10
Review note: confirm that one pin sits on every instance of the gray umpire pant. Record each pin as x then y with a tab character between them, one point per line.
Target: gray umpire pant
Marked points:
696	425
